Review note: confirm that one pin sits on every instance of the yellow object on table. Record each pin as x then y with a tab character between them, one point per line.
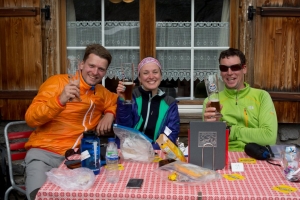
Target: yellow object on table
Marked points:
172	176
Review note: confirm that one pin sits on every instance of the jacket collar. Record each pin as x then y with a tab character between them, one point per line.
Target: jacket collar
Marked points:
231	93
84	85
160	93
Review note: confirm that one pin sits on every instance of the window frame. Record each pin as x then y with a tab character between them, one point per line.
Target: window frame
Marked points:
147	15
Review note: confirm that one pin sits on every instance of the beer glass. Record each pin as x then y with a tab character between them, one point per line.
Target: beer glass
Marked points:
73	74
127	78
211	84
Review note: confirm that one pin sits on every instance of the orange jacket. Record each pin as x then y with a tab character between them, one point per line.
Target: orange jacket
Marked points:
58	127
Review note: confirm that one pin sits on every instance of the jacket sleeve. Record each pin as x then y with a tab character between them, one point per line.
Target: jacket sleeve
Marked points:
110	102
266	133
173	122
45	106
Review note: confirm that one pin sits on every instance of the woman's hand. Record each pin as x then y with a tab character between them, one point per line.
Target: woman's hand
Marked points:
121	88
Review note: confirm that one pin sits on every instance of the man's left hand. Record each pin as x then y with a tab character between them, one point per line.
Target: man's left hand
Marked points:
105	124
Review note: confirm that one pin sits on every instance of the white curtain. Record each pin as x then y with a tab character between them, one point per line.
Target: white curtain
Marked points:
176	63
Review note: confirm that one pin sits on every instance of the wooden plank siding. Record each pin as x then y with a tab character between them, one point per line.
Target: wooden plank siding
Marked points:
277	60
35	49
28	55
20	56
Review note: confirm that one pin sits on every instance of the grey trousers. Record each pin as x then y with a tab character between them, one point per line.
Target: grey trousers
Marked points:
38	162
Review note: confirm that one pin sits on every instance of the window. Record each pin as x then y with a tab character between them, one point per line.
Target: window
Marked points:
189	37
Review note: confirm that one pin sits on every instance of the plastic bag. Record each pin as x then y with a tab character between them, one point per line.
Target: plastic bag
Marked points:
134	145
186	173
290	164
169	148
72	179
277	151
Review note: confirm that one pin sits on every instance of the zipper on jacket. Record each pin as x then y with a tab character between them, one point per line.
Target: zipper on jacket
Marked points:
236	98
89	111
147	117
246	117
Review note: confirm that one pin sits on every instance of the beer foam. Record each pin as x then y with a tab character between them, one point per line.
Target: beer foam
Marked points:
127	83
214	100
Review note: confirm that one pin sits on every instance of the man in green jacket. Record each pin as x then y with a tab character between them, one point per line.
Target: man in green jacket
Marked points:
249	112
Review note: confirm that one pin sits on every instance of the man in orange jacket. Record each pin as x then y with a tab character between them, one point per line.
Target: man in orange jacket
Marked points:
59	121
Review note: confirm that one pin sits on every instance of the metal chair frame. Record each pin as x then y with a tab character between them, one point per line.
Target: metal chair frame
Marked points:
15	151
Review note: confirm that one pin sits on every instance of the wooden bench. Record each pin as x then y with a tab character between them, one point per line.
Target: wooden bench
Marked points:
188	113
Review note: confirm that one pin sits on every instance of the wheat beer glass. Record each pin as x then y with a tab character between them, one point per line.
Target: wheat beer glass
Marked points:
73	74
211	84
127	78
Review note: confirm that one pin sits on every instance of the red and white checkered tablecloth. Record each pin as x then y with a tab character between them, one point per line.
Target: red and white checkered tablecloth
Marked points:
259	180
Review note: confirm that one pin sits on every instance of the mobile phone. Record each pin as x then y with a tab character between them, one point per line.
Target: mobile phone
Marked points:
135	183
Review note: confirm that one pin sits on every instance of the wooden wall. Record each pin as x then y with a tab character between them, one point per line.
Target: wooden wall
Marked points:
33	47
28	53
271	45
20	55
277	57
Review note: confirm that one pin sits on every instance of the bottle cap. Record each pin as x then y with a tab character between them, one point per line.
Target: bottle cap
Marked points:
111	140
89	133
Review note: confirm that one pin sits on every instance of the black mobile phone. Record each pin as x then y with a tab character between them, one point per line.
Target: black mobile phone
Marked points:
135	183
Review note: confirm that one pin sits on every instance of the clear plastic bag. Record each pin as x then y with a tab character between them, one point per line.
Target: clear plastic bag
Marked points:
290	163
134	145
169	148
277	151
72	179
186	173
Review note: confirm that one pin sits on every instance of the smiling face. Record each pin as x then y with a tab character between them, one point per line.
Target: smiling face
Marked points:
233	79
93	69
150	77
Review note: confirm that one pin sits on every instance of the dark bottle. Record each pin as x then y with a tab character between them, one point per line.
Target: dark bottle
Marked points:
90	151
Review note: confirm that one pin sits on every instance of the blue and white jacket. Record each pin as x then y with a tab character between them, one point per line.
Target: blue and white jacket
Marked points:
150	114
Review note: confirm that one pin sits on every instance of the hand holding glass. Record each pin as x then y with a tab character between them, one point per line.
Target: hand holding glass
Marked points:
127	79
211	84
74	75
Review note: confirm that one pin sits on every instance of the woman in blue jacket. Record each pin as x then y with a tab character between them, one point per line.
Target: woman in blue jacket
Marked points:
152	111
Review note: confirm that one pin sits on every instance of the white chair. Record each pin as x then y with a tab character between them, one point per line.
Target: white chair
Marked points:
15	142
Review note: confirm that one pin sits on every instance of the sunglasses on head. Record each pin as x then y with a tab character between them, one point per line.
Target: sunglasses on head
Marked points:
236	67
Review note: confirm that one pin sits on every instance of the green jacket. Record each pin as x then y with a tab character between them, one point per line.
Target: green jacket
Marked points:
251	114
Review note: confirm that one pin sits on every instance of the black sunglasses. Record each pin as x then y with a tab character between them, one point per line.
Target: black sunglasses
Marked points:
236	67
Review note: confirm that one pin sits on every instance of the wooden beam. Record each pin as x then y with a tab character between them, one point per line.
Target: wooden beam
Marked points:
19	12
285	96
62	55
18	94
191	102
234	24
147	28
278	11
